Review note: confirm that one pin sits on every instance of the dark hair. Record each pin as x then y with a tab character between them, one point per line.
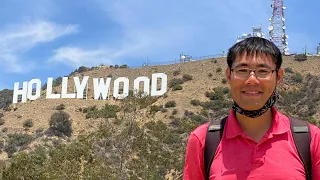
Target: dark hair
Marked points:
252	46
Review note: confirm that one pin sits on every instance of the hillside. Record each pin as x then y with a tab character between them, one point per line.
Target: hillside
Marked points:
164	127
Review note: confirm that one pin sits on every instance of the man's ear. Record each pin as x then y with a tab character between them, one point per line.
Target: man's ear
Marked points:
228	75
280	76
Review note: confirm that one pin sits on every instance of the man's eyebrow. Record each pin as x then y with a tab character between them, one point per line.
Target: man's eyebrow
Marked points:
241	65
264	65
246	65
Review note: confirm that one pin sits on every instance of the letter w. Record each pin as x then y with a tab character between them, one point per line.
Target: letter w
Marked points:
101	87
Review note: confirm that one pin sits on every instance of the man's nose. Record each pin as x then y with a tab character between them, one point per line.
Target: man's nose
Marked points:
252	79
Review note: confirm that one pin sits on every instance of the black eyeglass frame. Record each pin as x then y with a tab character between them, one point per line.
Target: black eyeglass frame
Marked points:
254	70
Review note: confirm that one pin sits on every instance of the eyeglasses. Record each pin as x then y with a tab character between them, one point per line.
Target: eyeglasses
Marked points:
262	73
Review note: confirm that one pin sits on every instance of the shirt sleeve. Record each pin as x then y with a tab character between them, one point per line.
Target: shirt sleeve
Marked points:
194	165
315	151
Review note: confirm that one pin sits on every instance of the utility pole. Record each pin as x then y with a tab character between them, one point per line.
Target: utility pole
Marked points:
305	50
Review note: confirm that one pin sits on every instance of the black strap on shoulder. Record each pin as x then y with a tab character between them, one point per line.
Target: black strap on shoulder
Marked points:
302	139
213	137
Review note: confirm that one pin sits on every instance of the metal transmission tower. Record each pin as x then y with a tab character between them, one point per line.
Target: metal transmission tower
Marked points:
277	29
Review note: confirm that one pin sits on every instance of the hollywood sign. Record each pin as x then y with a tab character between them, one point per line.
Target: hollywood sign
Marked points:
31	90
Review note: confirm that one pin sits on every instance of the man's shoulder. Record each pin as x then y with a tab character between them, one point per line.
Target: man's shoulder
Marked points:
200	132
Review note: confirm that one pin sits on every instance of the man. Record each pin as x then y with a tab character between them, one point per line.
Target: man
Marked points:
257	141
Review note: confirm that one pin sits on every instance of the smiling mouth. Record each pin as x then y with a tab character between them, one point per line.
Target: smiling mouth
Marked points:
251	93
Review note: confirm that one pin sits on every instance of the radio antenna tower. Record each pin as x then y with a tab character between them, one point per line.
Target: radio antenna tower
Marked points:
277	28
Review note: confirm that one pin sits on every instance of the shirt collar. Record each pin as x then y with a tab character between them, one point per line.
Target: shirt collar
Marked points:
280	124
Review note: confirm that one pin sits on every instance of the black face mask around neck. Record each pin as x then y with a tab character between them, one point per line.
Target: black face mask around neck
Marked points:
256	113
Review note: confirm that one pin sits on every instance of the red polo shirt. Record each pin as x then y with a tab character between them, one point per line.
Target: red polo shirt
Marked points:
239	157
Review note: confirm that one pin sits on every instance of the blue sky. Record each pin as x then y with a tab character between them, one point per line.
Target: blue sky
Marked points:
51	38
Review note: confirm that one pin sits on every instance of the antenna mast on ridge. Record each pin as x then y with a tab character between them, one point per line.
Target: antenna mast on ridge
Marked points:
277	28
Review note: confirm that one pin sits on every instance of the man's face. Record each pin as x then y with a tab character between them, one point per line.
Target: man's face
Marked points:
252	93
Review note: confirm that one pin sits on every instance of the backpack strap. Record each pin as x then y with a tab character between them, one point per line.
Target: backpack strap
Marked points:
213	137
302	139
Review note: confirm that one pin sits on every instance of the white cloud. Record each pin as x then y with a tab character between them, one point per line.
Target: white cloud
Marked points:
17	39
136	45
76	57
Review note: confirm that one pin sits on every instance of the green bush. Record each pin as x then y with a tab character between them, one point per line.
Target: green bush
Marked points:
217	105
210	75
60	125
28	123
90	108
57	81
44	86
108	111
186	77
176	72
39	130
175	122
25	166
188	113
145	101
124	66
2	122
226	90
177	88
174	112
16	142
171	138
5	129
165	95
60	107
288	70
298	78
170	104
175	82
131	93
198	118
1	115
195	102
204	112
6	99
1	146
154	108
164	110
118	121
300	57
81	69
217	94
219	69
312	120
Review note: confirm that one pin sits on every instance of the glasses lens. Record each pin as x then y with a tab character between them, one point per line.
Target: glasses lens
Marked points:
263	73
259	73
242	73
